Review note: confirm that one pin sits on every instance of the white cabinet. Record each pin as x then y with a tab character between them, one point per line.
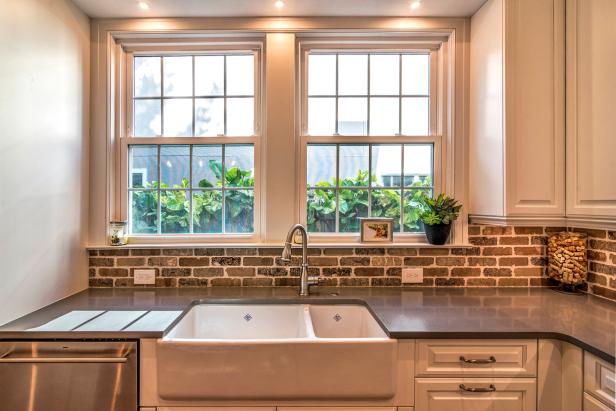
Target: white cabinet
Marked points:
337	409
591	113
490	394
599	380
592	404
473	358
516	127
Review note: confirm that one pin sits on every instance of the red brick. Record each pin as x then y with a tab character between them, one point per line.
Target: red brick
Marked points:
226	282
511	261
604	292
112	272
496	230
163	261
591	232
369	271
528	250
209	251
101	282
257	282
481	282
497	272
386	261
418	261
481	261
603	245
178	251
433	251
355	261
192	282
602	268
482	241
474	230
240	251
101	262
176	272
254	261
338	251
354	282
272	271
226	261
513	240
528	230
596	255
370	251
529	271
121	252
194	261
496	251
465	272
436	272
385	282
240	271
449	282
145	251
513	282
131	261
337	271
466	251
208	272
450	261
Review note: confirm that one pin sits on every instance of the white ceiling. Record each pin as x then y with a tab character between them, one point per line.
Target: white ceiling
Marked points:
237	8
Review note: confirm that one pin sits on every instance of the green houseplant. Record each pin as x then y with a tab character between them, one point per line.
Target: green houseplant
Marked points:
437	214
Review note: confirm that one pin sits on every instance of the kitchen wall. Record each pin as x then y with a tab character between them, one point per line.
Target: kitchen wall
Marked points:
499	256
44	78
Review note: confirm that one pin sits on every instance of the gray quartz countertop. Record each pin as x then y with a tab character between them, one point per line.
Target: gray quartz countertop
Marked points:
584	320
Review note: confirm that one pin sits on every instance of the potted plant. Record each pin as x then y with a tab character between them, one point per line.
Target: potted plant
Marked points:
437	215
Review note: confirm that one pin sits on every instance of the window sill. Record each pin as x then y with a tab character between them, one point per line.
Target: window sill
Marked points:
275	245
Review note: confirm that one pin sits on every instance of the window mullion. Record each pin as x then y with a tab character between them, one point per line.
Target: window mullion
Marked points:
402	189
222	182
369	180
190	191
368	100
337	188
336	128
158	203
400	94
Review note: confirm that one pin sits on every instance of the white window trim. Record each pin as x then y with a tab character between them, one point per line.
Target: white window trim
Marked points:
130	47
436	122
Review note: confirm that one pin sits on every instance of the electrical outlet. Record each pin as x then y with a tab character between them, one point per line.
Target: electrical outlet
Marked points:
412	275
145	277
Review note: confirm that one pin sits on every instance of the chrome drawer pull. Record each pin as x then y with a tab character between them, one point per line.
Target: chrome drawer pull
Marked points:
478	361
491	388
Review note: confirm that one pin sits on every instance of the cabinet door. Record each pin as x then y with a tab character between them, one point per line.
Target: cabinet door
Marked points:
336	408
453	394
592	404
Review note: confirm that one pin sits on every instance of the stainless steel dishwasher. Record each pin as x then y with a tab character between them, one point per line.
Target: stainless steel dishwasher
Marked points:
68	376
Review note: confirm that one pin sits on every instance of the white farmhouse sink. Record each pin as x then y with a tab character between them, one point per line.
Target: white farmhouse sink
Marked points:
276	351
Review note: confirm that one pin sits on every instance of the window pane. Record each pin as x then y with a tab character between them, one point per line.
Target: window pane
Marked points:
174	166
353	204
411	211
207	211
239	166
177	76
322	74
415	74
207	166
143	166
178	117
352	116
321	165
209	116
384	116
384	74
321	116
147	118
143	209
146	78
415	116
209	75
240	116
240	75
174	212
386	203
418	163
321	211
239	211
353	74
353	168
386	165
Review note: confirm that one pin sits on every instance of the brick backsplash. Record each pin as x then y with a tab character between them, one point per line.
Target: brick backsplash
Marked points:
498	257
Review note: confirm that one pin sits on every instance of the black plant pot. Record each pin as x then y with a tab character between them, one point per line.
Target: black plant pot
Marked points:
437	234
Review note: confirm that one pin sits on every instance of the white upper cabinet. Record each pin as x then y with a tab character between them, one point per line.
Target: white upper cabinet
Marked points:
591	110
517	140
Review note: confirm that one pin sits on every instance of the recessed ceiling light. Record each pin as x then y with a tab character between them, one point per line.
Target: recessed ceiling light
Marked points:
143	5
415	5
279	4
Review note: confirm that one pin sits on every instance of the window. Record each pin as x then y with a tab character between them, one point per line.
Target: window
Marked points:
369	137
191	143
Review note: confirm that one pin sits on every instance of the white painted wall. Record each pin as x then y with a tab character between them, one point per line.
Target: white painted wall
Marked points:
44	78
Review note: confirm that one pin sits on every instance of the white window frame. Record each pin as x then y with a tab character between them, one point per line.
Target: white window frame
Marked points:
124	89
394	45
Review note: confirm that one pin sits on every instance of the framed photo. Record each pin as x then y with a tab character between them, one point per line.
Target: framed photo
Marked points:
376	230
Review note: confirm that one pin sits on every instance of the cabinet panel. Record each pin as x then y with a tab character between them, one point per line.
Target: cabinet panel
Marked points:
507	358
337	408
592	404
599	379
215	409
591	116
446	394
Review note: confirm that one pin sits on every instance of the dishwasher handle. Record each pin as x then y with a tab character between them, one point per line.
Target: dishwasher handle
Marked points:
6	359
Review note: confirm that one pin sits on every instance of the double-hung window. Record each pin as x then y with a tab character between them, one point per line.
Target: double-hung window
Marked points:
192	142
369	136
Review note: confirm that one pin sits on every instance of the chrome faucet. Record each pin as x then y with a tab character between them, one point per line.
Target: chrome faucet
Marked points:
304	280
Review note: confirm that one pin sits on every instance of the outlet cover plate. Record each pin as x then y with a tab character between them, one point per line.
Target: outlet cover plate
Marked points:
412	275
145	277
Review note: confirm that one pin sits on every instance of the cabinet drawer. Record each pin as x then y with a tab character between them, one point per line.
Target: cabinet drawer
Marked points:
599	379
476	358
503	394
336	408
593	404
